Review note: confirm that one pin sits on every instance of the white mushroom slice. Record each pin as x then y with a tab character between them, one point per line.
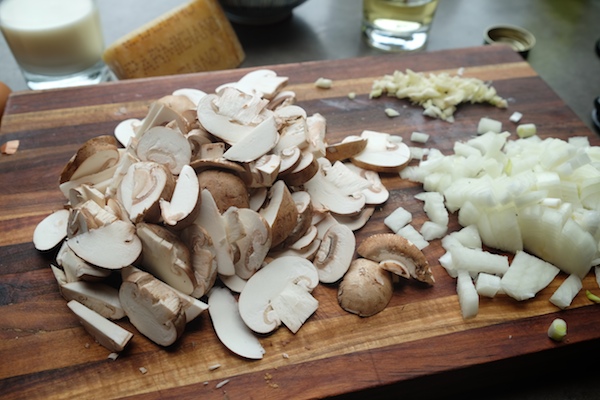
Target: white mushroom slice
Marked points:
262	82
253	246
128	158
328	195
255	301
315	134
193	94
95	155
305	241
125	130
160	114
257	198
192	307
166	257
304	170
100	180
233	282
376	192
198	138
87	216
264	171
107	333
153	307
165	146
366	288
76	269
203	258
335	253
290	157
308	253
355	222
141	189
256	143
280	212
112	246
97	296
84	192
219	125
185	109
59	275
382	154
51	230
292	134
282	99
184	199
211	220
389	246
229	326
345	149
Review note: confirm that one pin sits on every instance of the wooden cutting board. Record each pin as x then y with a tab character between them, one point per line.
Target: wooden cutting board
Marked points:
419	345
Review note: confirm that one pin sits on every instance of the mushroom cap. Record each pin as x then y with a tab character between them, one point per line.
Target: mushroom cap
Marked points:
226	188
389	246
381	154
366	288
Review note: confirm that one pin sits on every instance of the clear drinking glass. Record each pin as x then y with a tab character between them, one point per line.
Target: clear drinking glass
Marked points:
57	43
398	25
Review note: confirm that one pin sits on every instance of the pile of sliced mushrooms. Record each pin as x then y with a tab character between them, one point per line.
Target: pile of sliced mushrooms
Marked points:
231	202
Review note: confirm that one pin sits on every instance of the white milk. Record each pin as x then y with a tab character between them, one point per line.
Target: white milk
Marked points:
52	37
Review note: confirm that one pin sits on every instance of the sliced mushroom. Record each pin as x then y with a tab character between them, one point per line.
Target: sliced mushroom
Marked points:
165	146
346	149
229	326
125	130
111	246
263	171
153	307
95	155
211	220
304	170
280	212
355	222
193	94
382	154
183	206
253	244
100	180
328	194
51	230
261	82
267	298
335	253
290	158
256	143
141	189
101	298
304	220
76	268
389	246
375	192
226	188
83	193
366	288
395	267
203	258
107	333
166	257
315	134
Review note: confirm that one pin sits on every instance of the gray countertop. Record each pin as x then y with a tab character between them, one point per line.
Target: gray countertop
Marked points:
564	57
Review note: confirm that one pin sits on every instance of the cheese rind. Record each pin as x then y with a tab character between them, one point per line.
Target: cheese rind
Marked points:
194	37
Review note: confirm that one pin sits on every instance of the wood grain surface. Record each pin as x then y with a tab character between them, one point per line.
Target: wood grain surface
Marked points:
45	353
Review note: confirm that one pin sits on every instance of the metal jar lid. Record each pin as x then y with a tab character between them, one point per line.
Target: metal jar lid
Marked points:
521	40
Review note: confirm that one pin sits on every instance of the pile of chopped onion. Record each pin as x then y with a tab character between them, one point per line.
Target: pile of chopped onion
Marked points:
537	198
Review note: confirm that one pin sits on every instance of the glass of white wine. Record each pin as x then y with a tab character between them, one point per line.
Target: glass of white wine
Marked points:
398	25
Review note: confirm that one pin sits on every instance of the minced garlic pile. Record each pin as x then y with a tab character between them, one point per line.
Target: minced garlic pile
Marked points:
438	94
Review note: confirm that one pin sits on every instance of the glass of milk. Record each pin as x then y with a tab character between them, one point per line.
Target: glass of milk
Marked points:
57	43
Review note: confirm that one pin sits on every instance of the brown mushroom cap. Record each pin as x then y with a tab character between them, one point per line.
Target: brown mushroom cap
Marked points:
389	246
366	288
226	188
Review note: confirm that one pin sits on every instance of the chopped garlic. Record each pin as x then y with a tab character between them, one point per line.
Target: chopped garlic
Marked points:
557	330
323	83
419	137
390	112
515	117
143	370
113	356
352	95
221	384
437	94
213	367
